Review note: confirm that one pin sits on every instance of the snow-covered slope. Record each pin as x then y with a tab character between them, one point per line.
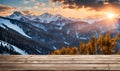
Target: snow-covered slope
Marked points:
6	23
12	48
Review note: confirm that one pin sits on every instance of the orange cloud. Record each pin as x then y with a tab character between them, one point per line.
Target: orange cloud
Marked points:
69	13
6	10
28	8
73	13
87	3
28	12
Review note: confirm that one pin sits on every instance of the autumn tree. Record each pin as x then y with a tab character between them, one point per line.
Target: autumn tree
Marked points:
63	50
75	50
83	48
107	44
56	52
92	46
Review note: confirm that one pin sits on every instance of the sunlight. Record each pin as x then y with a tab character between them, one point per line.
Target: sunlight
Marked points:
111	15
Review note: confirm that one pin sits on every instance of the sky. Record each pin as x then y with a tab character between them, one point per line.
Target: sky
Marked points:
67	8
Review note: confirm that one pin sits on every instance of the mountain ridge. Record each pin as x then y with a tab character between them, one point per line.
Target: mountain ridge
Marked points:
50	34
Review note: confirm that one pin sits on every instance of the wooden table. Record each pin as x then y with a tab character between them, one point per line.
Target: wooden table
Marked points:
60	62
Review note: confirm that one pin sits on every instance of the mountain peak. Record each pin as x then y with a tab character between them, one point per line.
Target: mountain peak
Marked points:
46	15
49	15
16	15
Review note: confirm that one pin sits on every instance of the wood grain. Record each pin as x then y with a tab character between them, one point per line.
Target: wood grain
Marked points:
59	62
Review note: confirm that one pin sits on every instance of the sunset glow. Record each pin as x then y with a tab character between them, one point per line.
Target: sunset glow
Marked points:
38	7
111	15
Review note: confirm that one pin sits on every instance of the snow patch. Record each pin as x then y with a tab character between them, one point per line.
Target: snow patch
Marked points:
3	43
16	17
68	31
76	33
67	43
54	48
19	50
84	38
42	27
39	51
14	48
12	26
1	25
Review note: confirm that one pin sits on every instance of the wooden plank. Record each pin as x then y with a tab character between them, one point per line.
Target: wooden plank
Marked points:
54	66
59	56
64	61
114	67
60	62
67	57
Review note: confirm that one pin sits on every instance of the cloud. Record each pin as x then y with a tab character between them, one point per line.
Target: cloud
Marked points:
87	3
40	4
29	1
28	12
25	1
36	7
6	10
28	8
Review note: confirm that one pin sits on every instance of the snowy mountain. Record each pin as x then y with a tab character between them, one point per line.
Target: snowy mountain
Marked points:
20	35
47	18
28	34
44	18
16	15
32	39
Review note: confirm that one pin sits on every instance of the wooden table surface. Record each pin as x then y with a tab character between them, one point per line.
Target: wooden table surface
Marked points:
59	62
